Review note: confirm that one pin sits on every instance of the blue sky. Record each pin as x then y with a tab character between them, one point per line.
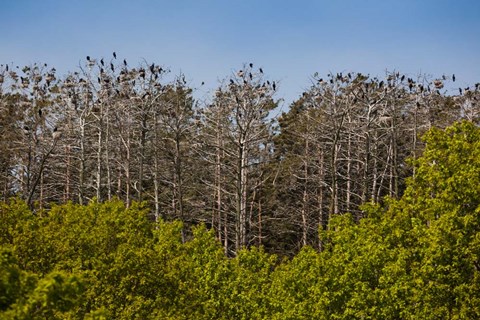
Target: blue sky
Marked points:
290	40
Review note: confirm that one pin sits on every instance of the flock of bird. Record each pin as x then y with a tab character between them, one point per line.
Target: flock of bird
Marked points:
246	75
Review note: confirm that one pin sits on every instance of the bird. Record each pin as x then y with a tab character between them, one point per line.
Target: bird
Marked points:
125	62
114	55
261	71
152	68
88	58
112	67
274	86
402	78
40	112
231	81
453	78
101	61
251	65
203	82
250	75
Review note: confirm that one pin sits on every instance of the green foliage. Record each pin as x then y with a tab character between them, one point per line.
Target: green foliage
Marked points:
413	258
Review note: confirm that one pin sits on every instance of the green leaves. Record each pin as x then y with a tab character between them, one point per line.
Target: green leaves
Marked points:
413	258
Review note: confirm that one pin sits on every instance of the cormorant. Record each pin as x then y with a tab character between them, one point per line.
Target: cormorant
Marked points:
114	55
453	78
261	71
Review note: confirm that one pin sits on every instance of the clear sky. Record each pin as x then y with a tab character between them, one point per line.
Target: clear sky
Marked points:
290	40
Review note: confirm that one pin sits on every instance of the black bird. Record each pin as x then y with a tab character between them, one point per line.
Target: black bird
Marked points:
152	68
380	84
250	75
98	79
40	112
125	62
88	58
114	55
231	81
274	86
101	61
251	65
261	71
453	78
203	83
6	67
112	67
402	78
55	129
26	128
268	82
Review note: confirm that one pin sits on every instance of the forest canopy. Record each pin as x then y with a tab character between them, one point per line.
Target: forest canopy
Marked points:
415	257
115	130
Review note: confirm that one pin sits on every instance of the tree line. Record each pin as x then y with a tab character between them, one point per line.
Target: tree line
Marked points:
113	131
415	257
